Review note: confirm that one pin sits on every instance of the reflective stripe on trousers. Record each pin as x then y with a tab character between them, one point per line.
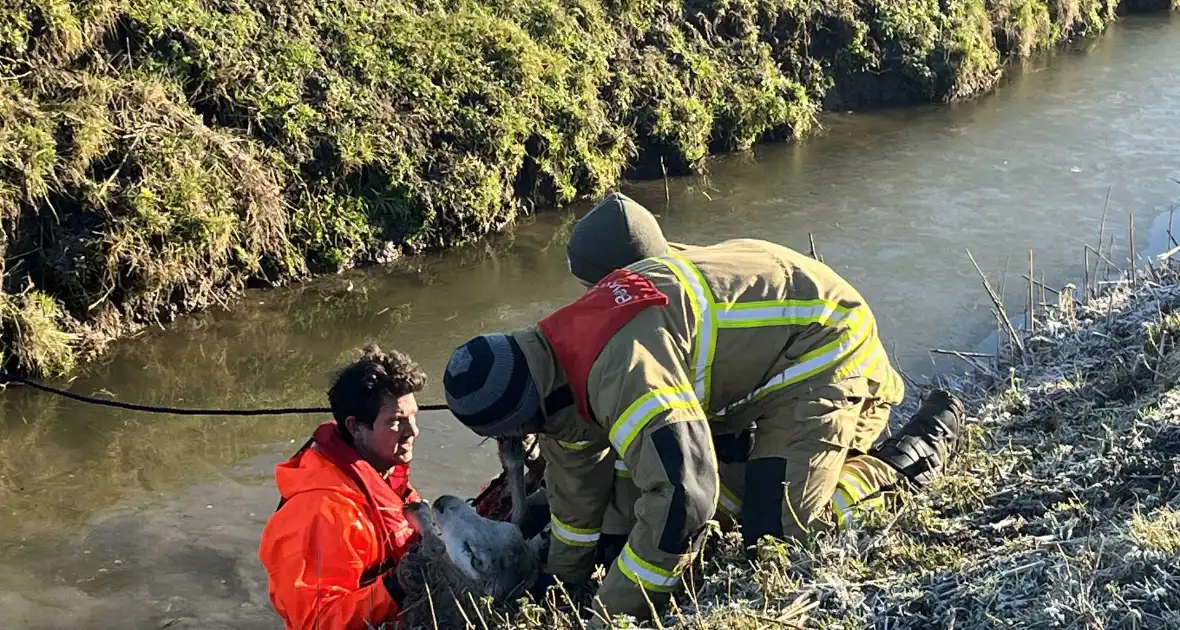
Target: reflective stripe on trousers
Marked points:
573	536
851	491
729	502
574	446
644	573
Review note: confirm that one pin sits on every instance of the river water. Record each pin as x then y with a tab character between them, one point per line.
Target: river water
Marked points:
119	519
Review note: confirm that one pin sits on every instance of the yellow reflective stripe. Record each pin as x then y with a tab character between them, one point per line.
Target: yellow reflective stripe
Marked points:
639	413
621	468
711	316
574	446
705	312
866	359
784	313
870	362
644	573
813	362
729	501
573	536
842	506
705	347
854	485
852	490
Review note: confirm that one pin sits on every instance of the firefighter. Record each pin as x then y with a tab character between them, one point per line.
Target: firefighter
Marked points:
615	233
742	336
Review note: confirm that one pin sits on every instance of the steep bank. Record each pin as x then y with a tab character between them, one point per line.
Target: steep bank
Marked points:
158	155
1061	510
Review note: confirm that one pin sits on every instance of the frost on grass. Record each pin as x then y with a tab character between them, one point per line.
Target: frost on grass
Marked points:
1062	510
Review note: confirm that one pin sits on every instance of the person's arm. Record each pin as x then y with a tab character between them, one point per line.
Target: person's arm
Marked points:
579	477
315	555
658	428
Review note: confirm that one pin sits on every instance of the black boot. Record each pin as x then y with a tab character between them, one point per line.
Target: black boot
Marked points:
920	450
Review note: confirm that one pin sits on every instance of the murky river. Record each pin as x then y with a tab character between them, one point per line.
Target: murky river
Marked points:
126	520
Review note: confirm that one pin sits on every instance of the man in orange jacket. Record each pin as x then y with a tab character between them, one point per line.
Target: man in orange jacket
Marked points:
332	544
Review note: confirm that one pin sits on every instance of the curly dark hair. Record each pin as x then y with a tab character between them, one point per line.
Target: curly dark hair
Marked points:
363	385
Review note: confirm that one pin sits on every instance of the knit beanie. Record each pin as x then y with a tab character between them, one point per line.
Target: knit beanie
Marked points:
615	233
489	387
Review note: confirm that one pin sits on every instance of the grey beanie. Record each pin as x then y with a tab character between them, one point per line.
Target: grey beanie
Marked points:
617	232
488	385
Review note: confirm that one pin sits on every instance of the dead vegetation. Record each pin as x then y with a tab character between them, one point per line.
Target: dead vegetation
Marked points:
1063	511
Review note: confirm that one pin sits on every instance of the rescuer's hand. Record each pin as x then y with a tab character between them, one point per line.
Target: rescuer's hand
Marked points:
609	548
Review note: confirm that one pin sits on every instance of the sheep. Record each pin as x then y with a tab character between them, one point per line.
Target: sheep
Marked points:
462	556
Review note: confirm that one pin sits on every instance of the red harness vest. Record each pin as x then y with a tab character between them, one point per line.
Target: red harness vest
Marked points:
577	332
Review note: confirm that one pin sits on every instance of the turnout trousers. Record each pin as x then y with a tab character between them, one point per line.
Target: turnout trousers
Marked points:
807	467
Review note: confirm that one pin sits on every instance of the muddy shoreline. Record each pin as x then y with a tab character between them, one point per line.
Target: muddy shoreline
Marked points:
161	158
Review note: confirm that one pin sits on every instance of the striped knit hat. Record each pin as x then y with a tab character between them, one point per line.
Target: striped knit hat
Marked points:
489	387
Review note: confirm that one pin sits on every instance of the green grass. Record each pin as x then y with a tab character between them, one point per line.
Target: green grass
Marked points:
158	156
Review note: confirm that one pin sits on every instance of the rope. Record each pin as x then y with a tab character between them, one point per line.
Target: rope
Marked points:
6	378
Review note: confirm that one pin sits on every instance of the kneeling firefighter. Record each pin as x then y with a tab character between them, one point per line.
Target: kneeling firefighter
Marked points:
659	356
615	233
620	231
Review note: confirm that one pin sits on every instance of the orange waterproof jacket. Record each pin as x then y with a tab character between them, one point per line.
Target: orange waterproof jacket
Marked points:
322	550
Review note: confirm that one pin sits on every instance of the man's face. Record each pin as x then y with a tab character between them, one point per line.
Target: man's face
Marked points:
390	441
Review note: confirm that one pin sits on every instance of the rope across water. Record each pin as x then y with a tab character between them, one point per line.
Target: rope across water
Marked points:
6	378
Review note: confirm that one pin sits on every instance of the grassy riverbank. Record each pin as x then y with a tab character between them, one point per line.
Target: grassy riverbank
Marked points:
158	156
1062	511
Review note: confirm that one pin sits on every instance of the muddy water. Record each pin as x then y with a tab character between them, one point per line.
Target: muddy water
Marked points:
118	519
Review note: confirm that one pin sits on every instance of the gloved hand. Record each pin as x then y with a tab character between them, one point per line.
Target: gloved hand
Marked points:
608	549
734	448
538	518
541	543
